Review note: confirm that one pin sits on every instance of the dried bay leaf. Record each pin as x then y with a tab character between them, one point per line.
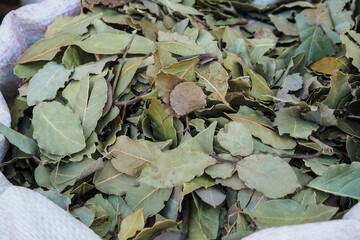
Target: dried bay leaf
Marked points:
90	102
47	48
289	120
156	229
270	175
215	78
110	181
339	90
175	167
184	69
75	25
110	43
315	41
165	83
163	128
236	138
259	129
282	212
131	156
57	129
92	67
69	173
149	198
46	82
213	196
187	97
131	224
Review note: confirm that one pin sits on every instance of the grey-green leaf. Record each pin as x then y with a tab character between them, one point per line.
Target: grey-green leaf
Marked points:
341	180
268	174
46	82
57	129
236	138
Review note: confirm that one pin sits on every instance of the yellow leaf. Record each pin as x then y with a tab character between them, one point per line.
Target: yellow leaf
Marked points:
327	65
131	224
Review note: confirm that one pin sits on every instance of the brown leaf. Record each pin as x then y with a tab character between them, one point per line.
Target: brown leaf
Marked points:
187	97
165	83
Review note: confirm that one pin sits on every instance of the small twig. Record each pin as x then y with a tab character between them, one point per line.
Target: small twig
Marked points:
321	144
221	160
39	162
186	216
317	154
132	101
201	22
122	60
199	56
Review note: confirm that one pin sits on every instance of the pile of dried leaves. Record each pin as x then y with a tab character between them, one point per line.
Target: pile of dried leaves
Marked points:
208	119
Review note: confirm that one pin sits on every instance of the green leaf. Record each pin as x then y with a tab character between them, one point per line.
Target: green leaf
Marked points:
85	215
98	200
215	78
162	123
258	47
214	196
284	25
110	181
349	126
24	143
91	67
156	229
260	89
69	173
76	25
184	69
75	56
202	142
175	167
57	129
181	8
102	222
352	49
28	70
236	138
341	180
131	156
268	174
46	82
340	90
204	220
113	43
55	196
179	44
340	16
319	165
147	197
90	102
47	48
315	41
131	224
275	213
289	120
87	151
259	129
198	182
323	115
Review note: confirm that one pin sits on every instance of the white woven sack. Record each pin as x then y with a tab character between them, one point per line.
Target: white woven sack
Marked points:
25	214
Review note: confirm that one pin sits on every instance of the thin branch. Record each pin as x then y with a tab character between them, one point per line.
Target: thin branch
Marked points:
202	56
122	60
321	144
221	160
132	101
317	154
39	162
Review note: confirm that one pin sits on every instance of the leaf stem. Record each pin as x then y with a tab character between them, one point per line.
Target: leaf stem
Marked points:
132	101
221	160
317	154
122	60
